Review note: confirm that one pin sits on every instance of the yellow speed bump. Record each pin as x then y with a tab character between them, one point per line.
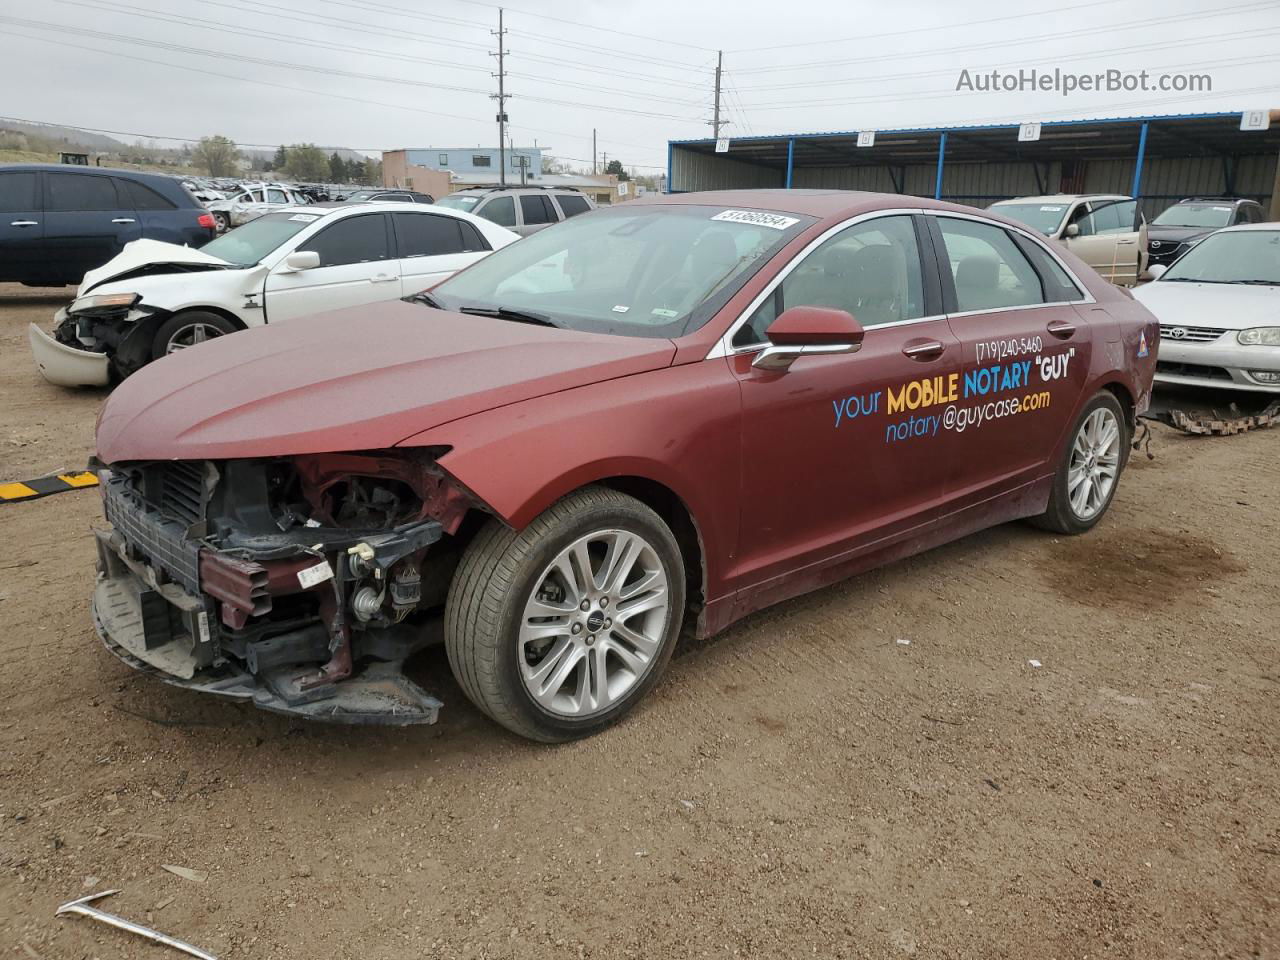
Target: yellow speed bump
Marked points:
43	487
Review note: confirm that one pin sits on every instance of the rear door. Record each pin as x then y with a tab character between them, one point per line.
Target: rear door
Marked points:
86	221
1112	239
845	453
1026	355
158	217
432	247
356	268
536	213
22	254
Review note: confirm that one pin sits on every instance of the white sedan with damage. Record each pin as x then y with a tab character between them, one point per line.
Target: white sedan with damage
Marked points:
155	298
1219	311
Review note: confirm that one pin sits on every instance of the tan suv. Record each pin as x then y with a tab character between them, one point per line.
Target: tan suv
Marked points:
1106	231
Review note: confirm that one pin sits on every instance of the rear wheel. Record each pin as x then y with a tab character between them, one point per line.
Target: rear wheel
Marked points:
558	630
188	329
1086	480
222	221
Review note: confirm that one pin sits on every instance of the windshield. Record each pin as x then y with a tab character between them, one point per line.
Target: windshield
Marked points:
1194	215
459	201
1045	217
244	246
635	270
1245	256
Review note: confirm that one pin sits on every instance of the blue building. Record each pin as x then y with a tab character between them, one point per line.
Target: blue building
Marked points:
477	160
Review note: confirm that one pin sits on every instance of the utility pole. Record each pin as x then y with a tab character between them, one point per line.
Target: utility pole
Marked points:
593	151
715	122
501	97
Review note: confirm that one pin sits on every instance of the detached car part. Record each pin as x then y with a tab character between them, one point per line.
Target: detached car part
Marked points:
82	908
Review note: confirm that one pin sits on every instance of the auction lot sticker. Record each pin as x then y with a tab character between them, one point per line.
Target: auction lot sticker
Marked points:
758	218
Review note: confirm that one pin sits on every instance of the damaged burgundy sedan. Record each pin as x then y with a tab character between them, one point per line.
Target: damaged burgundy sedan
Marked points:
648	420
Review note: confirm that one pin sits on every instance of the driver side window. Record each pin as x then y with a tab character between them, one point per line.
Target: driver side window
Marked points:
871	270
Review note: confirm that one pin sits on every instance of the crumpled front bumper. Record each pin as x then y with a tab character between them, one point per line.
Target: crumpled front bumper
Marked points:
66	366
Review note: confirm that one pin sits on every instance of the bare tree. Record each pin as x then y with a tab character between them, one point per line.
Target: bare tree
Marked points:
218	155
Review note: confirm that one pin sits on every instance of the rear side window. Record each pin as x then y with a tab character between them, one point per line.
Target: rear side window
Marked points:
572	204
141	197
987	268
537	209
69	192
500	210
18	192
472	241
1058	286
352	240
426	235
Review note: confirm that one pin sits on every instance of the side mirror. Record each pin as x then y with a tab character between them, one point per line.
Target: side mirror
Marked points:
1156	271
302	260
1073	230
808	331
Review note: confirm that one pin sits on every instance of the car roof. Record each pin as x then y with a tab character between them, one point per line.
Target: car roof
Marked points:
1272	226
81	168
822	204
1060	197
1217	200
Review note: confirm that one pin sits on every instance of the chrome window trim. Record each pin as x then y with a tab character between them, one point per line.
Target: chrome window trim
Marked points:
724	346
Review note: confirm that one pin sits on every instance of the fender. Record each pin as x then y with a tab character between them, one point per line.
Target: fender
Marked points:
677	426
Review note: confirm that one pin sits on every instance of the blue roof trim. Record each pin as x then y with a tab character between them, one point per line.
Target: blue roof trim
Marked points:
815	135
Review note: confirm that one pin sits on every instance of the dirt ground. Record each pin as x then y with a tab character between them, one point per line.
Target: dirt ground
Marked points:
876	770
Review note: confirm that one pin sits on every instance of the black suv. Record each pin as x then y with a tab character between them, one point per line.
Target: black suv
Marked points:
57	222
1180	227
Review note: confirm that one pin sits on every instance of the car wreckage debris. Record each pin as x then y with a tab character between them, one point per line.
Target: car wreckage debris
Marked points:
1215	424
82	908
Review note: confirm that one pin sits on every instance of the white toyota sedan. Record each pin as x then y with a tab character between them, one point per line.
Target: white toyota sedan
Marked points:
1219	311
155	298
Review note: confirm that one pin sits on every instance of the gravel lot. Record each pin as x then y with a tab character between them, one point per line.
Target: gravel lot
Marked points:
876	770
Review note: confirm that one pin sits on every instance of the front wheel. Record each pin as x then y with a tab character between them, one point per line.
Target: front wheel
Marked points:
558	630
188	329
1086	480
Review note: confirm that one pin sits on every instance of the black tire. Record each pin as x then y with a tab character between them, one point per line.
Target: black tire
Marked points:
497	574
222	221
180	323
1061	516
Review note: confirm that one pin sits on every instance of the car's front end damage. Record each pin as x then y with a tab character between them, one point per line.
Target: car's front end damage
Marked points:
300	584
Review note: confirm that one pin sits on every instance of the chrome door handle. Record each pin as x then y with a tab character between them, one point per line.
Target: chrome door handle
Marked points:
924	350
1061	329
382	278
1134	240
24	223
124	220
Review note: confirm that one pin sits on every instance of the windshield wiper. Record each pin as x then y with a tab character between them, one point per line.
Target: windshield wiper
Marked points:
424	298
1259	283
507	313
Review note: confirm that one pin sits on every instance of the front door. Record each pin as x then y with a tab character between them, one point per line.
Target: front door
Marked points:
86	223
21	227
845	453
355	268
1111	239
1026	354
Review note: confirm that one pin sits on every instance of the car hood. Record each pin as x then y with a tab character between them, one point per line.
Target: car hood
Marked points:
356	379
145	254
1176	234
1223	306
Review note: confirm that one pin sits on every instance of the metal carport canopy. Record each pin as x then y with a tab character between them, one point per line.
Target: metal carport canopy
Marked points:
1176	136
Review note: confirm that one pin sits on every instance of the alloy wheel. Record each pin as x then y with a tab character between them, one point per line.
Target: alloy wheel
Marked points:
594	624
191	335
1095	463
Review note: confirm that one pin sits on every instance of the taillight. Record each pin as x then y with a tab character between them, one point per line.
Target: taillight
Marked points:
206	220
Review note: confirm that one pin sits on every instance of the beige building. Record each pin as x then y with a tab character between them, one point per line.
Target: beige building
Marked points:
397	171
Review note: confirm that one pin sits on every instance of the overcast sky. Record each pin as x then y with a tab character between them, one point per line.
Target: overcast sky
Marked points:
375	74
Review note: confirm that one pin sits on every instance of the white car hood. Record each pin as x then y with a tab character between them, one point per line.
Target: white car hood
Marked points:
1224	306
144	253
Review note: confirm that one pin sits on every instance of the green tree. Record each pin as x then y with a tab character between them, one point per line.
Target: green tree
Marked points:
615	167
373	172
306	162
337	168
217	154
280	159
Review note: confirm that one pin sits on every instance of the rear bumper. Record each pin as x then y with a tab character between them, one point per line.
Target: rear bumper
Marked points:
66	366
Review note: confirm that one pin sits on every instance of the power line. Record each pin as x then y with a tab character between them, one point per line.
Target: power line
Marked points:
949	26
1057	36
133	57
